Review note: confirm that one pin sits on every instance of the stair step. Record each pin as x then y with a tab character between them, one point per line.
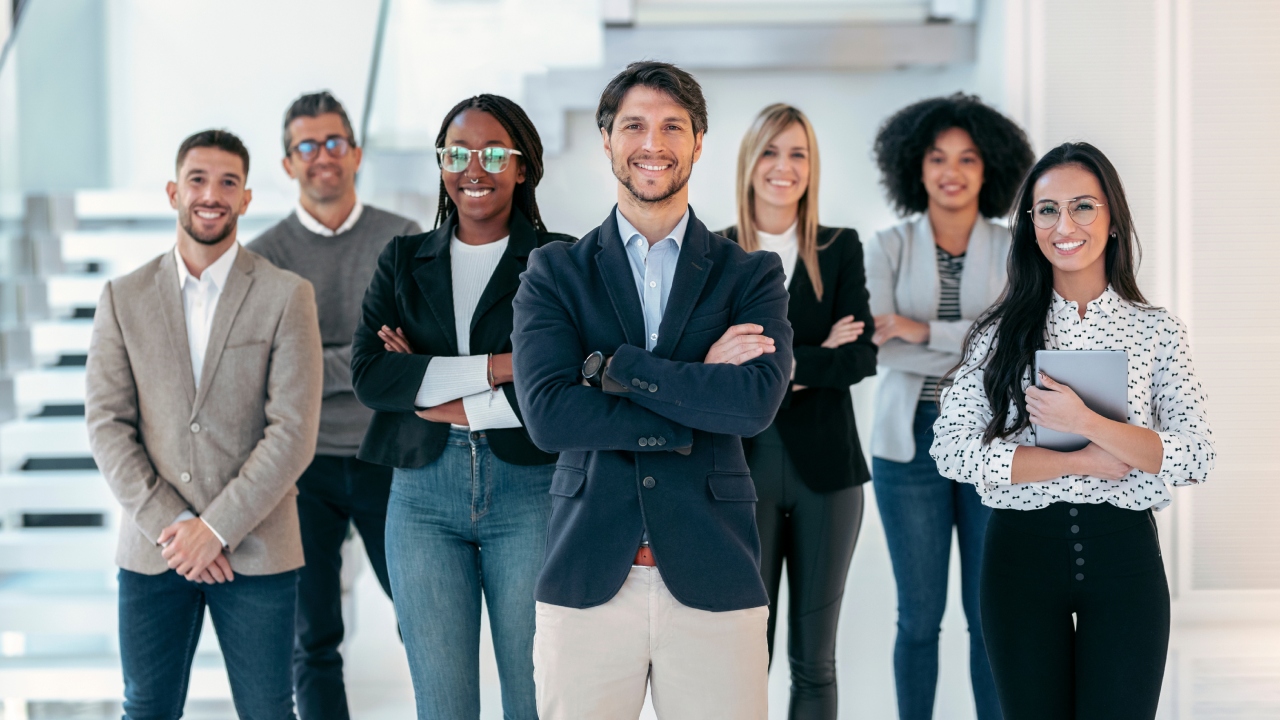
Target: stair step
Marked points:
42	464
59	410
71	360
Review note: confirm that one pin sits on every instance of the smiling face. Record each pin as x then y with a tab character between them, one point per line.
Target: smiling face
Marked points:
952	171
652	145
324	178
1072	248
781	175
209	194
481	196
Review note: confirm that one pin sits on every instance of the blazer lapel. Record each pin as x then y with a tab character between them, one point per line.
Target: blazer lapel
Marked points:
229	302
615	268
921	296
434	276
506	276
979	271
175	320
693	267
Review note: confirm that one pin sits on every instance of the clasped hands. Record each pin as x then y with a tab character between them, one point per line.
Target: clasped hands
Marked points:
1057	407
194	552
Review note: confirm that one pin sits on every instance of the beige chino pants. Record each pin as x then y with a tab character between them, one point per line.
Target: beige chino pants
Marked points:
594	664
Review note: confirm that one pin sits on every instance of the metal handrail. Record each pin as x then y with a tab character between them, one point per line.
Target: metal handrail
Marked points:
371	88
13	30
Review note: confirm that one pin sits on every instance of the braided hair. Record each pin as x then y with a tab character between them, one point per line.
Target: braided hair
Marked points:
525	137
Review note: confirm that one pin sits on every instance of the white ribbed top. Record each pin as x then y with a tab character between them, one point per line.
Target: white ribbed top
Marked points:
786	245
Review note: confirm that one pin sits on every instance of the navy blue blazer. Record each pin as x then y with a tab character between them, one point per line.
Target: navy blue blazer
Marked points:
617	470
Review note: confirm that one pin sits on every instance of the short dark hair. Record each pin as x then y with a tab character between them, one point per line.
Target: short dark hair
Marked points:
660	76
524	136
220	139
905	137
315	105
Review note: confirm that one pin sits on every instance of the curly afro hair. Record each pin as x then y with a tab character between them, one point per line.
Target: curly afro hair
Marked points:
905	137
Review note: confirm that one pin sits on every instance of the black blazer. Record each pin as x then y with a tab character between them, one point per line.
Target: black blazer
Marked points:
816	424
412	288
617	473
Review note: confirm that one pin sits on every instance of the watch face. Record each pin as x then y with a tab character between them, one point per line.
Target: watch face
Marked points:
591	367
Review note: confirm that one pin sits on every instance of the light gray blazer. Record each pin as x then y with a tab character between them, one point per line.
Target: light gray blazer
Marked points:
232	452
902	277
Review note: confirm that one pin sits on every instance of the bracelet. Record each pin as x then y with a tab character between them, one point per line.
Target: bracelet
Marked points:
492	385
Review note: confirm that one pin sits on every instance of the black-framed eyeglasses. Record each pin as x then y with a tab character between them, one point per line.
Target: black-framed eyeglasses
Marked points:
336	145
1083	211
455	158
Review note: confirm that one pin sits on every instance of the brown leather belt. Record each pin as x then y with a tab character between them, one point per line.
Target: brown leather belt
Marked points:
644	556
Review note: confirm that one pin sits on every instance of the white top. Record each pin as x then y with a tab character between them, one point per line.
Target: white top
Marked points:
786	245
1164	395
467	376
309	222
199	303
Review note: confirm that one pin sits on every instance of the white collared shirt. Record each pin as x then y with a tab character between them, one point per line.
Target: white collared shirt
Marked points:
200	302
310	223
1164	396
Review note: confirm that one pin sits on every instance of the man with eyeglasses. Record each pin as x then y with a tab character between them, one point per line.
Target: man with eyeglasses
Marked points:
333	240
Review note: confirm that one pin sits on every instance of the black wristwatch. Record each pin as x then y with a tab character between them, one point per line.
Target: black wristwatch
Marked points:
593	368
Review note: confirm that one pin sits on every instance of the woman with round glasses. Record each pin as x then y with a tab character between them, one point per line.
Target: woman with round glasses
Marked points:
1075	603
953	164
808	465
469	498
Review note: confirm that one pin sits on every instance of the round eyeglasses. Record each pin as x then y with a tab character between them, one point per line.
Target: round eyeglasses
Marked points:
1083	211
336	145
455	158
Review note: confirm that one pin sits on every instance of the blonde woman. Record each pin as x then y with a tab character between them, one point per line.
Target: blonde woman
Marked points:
808	465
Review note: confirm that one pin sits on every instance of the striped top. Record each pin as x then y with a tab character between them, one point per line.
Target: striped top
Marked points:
949	269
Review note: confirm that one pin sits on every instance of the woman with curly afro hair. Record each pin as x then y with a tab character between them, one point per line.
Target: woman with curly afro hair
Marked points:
949	165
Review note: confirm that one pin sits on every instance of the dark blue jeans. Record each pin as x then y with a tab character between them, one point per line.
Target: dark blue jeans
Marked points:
160	621
918	508
333	492
467	524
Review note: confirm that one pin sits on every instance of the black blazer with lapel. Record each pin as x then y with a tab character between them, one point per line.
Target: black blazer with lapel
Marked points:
617	473
816	424
412	288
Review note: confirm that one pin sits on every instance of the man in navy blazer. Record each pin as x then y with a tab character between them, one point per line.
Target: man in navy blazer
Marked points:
642	354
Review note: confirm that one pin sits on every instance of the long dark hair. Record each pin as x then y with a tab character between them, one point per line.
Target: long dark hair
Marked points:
525	137
1018	317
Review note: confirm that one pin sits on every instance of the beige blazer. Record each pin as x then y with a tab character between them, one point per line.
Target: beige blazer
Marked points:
902	277
232	452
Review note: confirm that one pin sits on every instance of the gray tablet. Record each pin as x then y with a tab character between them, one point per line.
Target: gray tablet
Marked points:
1099	377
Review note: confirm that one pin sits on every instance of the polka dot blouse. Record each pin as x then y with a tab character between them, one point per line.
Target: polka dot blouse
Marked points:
1164	395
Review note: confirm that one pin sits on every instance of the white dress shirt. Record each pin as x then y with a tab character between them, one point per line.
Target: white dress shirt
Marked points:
467	376
199	303
1164	395
787	247
309	222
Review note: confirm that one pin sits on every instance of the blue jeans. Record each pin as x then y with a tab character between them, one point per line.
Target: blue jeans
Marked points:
918	508
160	621
465	524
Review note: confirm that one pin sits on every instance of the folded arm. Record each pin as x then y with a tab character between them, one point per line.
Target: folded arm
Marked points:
294	386
560	412
848	364
383	380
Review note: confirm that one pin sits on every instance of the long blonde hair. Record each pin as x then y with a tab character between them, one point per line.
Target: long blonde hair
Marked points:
771	121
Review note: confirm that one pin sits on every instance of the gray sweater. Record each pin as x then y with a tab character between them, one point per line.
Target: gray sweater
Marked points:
340	268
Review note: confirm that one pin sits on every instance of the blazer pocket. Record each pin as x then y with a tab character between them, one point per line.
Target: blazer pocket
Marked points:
732	486
567	482
710	321
241	345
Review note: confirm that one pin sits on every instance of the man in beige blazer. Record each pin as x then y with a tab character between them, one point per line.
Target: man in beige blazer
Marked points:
203	402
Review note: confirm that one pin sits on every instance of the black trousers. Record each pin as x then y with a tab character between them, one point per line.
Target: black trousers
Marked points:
1103	565
814	535
332	493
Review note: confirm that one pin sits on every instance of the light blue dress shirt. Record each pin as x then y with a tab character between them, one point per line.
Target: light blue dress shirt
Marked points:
654	269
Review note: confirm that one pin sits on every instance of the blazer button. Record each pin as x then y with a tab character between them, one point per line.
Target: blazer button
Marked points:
649	482
644	385
662	441
195	427
635	382
653	388
653	441
185	477
643	442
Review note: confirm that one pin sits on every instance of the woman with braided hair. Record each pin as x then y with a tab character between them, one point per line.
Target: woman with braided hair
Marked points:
432	356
